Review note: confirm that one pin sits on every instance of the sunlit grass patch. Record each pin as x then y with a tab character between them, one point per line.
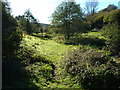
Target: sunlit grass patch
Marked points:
48	48
45	60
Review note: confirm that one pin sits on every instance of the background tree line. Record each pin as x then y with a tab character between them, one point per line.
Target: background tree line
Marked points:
69	19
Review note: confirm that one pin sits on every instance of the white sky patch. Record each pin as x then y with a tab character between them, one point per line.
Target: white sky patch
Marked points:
43	9
98	0
3	0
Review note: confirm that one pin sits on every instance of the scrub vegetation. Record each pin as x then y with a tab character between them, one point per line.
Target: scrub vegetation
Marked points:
77	50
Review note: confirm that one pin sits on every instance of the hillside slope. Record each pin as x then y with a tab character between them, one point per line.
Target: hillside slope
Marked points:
53	52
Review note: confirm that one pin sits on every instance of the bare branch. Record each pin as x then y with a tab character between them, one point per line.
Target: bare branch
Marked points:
91	6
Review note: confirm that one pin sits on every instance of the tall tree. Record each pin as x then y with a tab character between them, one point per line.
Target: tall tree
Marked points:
67	17
91	7
10	42
28	23
28	15
10	36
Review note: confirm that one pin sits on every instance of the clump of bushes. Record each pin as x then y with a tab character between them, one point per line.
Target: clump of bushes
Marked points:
92	68
59	38
43	35
112	17
112	33
87	40
98	22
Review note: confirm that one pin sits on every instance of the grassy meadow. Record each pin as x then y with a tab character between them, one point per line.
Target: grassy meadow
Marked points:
77	50
53	53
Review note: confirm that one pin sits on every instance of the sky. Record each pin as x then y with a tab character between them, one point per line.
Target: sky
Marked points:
43	9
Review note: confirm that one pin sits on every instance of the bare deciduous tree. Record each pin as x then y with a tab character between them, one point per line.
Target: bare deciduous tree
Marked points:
91	7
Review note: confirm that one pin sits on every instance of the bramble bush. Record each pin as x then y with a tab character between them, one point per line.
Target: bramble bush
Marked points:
92	68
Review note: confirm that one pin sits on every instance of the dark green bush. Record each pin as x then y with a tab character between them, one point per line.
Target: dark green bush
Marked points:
112	17
90	40
43	35
98	21
10	34
59	38
11	37
112	33
92	68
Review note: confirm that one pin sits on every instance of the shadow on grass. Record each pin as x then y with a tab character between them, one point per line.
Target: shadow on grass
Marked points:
14	74
95	42
44	37
25	70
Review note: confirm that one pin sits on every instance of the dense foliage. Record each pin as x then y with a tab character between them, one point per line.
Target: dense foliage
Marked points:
110	8
92	68
103	17
112	32
11	38
68	18
28	23
113	17
45	56
10	33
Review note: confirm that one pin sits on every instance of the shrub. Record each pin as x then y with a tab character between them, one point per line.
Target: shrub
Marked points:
59	38
112	32
112	17
92	68
98	22
87	40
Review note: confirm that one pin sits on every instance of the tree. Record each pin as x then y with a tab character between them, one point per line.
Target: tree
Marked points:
10	34
112	17
68	18
111	7
11	38
91	8
105	16
28	15
28	23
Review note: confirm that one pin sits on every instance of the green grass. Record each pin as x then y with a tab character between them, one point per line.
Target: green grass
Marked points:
52	52
94	34
97	34
48	48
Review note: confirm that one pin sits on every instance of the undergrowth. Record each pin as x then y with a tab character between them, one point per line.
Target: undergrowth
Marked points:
41	58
